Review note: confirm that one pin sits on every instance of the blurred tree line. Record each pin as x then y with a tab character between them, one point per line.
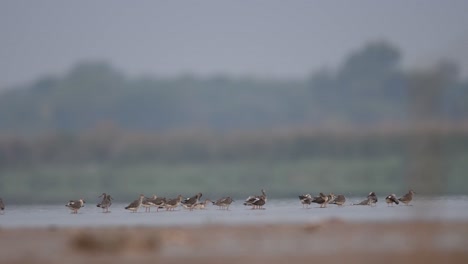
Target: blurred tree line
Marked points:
106	143
96	113
368	88
369	114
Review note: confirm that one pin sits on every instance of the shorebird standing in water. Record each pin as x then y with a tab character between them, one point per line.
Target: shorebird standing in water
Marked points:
105	203
391	199
223	203
135	205
364	202
371	200
75	205
173	203
2	206
201	205
159	202
339	200
147	203
257	202
306	200
407	198
322	199
189	203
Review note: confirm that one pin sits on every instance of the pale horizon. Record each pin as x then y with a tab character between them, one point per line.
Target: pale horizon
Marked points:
262	39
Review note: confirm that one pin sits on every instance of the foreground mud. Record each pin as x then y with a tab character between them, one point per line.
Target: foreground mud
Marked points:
332	241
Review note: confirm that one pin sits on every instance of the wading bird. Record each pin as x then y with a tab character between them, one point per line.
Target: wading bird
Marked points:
75	205
257	202
339	200
407	198
306	200
223	203
135	205
391	199
105	203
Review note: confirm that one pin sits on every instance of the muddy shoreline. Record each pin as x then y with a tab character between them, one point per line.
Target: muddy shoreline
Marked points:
332	240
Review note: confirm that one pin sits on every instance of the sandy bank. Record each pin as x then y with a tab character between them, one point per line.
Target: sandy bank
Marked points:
333	241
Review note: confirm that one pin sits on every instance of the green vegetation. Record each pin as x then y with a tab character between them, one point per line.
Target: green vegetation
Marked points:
369	88
281	179
366	126
284	163
55	183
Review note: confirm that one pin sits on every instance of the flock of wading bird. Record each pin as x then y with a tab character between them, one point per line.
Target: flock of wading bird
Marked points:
255	201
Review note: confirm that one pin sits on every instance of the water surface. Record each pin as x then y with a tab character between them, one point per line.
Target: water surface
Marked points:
276	211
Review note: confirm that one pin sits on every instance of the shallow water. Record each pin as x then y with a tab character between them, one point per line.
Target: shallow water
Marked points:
276	211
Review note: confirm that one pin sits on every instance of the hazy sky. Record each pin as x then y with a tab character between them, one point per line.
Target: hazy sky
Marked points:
281	39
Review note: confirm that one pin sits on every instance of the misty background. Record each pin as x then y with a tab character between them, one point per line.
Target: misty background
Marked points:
227	97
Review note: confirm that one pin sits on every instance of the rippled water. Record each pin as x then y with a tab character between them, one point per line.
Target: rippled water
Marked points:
276	211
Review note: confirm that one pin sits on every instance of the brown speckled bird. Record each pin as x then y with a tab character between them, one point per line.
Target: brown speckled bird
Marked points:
257	202
407	198
339	200
223	203
306	200
322	199
135	205
391	199
105	203
75	205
